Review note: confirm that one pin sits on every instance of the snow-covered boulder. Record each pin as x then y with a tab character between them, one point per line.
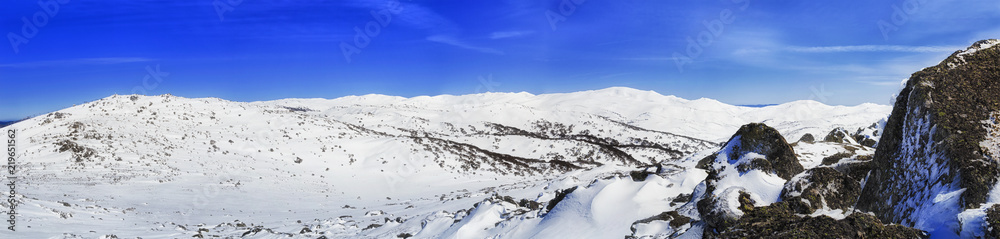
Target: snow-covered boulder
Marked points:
763	148
749	171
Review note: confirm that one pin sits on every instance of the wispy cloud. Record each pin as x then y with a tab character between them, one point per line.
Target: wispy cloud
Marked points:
76	62
875	48
651	58
459	43
509	34
857	48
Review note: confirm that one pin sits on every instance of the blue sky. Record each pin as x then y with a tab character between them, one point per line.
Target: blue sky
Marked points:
739	52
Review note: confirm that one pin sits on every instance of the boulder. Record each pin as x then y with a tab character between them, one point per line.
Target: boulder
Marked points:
935	142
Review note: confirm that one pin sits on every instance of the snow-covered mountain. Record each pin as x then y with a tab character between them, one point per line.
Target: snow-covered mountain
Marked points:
598	164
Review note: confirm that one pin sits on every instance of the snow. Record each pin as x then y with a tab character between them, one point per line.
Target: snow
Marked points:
171	167
960	57
837	214
811	154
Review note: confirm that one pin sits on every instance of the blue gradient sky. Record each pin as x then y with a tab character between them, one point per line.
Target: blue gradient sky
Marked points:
835	52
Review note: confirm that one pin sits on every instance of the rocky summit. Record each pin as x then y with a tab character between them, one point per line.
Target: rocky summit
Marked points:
744	173
938	154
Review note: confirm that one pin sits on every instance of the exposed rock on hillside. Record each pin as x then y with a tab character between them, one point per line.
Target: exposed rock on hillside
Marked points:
819	188
747	172
779	220
838	135
808	138
934	158
759	139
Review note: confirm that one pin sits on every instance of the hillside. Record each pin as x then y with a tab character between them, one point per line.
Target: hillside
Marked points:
381	166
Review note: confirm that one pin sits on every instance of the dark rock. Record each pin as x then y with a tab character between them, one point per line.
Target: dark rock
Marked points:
820	185
640	175
858	169
838	135
672	218
808	138
779	221
761	139
936	126
864	140
681	199
993	221
560	195
715	210
773	156
832	159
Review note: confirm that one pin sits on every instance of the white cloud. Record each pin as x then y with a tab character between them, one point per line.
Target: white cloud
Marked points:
509	34
458	43
873	48
857	48
81	61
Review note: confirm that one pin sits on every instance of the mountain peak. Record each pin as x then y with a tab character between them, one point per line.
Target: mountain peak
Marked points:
936	142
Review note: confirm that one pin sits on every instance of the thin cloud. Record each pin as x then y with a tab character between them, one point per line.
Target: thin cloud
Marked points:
75	62
458	43
875	48
651	58
858	48
509	34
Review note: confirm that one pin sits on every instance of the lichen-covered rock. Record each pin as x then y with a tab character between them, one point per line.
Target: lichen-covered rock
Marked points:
663	225
747	172
858	168
862	140
821	187
838	135
808	138
779	220
718	211
993	221
835	158
934	143
779	157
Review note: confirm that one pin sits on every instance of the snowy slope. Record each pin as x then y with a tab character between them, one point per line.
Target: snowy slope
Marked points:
375	166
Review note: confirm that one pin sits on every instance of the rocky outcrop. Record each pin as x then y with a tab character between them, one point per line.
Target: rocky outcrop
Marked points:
741	175
780	220
821	187
867	136
808	138
838	135
760	139
934	158
993	221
